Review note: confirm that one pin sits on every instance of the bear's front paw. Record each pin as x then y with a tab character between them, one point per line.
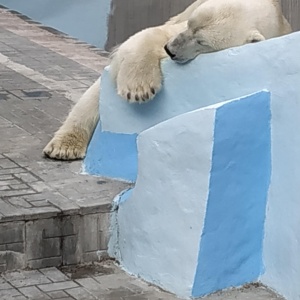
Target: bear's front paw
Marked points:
138	94
67	146
140	85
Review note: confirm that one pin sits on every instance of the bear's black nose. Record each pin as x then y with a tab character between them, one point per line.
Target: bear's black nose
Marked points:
169	52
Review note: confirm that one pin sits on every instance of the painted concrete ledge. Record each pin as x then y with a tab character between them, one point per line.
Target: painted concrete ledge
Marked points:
194	222
152	237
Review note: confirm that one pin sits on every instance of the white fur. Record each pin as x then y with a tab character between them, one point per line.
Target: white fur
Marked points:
205	26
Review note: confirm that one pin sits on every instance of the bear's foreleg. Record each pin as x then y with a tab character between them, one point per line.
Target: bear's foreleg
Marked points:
135	65
71	140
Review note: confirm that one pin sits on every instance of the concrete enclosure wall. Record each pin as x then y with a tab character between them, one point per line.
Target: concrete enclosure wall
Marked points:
191	202
273	65
106	23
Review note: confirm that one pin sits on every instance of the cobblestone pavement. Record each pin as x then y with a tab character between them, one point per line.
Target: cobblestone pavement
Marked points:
105	282
62	216
98	281
41	74
47	207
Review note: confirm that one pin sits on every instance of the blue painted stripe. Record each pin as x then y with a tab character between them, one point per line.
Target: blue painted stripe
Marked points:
125	196
230	251
112	155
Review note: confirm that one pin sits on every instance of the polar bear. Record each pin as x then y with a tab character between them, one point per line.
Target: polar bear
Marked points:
205	26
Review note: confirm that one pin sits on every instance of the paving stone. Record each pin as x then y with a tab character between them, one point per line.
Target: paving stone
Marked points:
9	182
40	203
5	286
26	278
5	188
119	293
92	286
9	294
39	186
150	296
57	286
10	193
7	164
19	201
79	293
33	293
27	177
19	186
6	177
12	213
12	171
54	274
112	281
57	295
67	298
65	204
20	298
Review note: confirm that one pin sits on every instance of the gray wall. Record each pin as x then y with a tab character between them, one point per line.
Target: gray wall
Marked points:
106	23
83	19
129	16
291	9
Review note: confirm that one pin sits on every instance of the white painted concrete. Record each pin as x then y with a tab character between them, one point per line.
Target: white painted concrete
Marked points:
215	77
160	224
282	235
272	65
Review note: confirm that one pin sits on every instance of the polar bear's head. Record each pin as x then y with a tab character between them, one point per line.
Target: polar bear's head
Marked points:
212	29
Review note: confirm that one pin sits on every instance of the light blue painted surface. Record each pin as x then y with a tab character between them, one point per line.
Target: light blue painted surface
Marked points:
231	244
85	20
272	65
112	155
125	196
211	78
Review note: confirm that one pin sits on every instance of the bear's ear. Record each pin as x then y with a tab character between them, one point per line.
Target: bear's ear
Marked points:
255	36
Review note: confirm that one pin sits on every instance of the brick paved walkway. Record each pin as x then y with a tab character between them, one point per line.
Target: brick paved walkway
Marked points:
49	213
103	282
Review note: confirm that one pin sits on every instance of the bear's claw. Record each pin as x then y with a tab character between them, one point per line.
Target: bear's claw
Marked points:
140	94
67	146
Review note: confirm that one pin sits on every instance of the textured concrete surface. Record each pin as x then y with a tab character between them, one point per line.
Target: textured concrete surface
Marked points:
103	281
99	281
41	75
49	213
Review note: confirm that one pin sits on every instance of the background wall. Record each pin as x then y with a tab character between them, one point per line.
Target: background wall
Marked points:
85	20
291	9
106	23
130	16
